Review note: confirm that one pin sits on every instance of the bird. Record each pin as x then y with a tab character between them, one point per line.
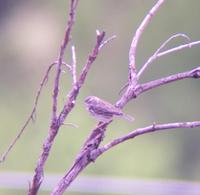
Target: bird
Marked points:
103	110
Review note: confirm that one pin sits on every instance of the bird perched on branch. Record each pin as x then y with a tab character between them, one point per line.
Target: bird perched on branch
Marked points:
104	111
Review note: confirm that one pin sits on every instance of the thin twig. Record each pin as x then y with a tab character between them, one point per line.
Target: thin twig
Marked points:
123	88
31	116
67	66
71	124
138	33
107	41
73	64
189	45
155	55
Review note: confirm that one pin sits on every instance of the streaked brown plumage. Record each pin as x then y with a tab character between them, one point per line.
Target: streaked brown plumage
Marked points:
104	111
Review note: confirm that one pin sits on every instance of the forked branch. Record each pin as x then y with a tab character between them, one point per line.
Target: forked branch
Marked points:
158	51
136	38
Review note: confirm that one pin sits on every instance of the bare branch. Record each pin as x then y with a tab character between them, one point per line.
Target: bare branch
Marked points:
55	125
91	58
123	88
67	66
141	88
73	64
31	116
139	31
149	129
65	42
155	55
71	124
107	41
134	91
189	45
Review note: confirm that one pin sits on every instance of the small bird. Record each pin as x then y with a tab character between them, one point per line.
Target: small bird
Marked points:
104	111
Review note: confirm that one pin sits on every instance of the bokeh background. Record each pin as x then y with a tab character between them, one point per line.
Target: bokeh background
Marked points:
30	37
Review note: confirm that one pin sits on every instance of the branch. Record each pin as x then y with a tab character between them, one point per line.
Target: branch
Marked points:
107	41
155	55
133	91
67	66
189	45
145	130
31	117
91	58
55	125
139	31
141	88
83	159
66	40
73	64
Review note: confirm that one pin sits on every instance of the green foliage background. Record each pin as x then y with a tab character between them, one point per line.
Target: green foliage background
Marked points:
31	33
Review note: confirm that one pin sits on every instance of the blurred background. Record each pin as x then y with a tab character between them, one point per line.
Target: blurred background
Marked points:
30	35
